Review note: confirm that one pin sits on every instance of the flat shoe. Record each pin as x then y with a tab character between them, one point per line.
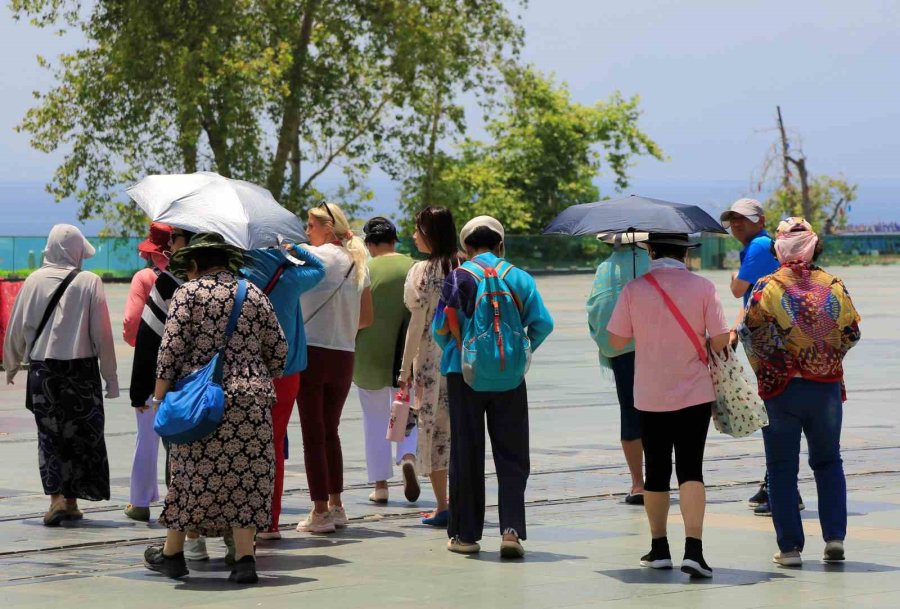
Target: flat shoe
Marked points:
635	499
141	514
55	515
411	488
462	547
379	495
441	519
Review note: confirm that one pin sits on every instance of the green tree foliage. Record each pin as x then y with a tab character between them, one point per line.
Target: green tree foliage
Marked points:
277	92
828	201
544	153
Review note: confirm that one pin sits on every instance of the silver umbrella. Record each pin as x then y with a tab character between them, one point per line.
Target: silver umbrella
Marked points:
245	214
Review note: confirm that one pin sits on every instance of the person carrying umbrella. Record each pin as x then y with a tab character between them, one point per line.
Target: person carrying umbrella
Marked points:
626	262
672	388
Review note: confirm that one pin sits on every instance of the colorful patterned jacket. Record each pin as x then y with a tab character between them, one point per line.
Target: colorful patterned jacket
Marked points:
800	322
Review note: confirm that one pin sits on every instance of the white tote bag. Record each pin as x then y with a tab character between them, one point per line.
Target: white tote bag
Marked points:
738	410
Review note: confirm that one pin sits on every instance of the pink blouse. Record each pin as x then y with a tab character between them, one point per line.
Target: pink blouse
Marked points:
141	284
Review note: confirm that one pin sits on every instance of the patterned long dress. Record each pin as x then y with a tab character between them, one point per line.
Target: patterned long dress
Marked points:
421	294
224	480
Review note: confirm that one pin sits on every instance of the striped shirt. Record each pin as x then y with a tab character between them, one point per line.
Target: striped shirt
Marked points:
149	337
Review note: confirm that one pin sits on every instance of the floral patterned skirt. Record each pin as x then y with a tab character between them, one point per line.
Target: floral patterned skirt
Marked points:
225	480
433	411
66	398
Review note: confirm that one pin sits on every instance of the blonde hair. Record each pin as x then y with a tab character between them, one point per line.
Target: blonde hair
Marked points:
341	229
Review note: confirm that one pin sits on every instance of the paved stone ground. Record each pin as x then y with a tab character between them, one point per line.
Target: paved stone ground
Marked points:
583	541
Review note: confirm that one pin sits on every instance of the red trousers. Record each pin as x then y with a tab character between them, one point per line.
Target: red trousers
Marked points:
287	389
323	390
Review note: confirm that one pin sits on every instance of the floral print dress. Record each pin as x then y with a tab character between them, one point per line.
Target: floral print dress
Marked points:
423	357
224	480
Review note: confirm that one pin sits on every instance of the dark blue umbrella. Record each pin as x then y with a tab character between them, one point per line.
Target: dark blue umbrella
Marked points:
633	213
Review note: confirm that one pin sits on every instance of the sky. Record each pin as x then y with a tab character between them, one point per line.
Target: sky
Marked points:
709	73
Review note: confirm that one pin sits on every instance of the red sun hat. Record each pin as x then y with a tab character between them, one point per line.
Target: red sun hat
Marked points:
158	241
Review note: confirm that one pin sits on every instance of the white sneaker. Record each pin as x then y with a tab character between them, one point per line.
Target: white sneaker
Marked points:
317	523
339	515
195	549
379	495
834	551
462	547
788	559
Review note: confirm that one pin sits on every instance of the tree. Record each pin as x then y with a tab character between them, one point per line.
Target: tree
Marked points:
277	92
544	155
822	200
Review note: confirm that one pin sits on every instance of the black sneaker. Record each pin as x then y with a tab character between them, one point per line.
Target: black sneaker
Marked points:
693	563
244	571
659	556
761	496
170	566
763	508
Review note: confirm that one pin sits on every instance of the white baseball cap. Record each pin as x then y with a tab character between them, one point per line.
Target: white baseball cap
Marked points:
478	222
749	208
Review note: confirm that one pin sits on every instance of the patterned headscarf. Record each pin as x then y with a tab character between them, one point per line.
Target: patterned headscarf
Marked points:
795	241
181	259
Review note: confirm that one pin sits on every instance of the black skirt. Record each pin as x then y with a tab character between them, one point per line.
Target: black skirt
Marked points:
66	398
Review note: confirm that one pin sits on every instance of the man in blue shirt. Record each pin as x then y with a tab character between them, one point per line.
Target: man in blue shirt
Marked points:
747	221
506	411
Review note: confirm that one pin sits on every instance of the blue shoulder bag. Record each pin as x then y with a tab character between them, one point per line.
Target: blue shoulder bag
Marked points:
194	408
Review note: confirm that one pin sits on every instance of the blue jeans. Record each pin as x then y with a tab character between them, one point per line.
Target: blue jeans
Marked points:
815	409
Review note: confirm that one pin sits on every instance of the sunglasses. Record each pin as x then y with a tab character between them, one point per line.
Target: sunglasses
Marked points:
324	205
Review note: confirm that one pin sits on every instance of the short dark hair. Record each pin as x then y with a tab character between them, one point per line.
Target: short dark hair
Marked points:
380	230
483	238
208	258
667	250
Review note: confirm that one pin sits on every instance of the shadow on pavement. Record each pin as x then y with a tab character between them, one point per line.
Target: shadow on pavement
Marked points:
674	576
848	567
530	556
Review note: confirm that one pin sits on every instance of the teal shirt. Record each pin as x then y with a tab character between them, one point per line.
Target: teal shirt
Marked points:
459	293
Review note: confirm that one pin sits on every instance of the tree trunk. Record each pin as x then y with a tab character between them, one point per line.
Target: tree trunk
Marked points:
785	153
804	190
218	142
290	119
428	189
295	189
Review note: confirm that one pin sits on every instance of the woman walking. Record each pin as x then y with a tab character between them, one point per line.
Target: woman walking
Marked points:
60	324
435	237
284	281
157	248
378	349
333	312
223	481
800	324
672	388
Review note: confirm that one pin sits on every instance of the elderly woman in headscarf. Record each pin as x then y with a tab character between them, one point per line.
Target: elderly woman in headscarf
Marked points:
60	323
223	481
799	325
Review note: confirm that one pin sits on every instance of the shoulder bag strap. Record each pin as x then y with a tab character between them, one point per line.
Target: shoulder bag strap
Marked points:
332	295
239	298
673	308
54	300
275	277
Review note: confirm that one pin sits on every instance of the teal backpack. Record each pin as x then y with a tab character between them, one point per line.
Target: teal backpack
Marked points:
495	350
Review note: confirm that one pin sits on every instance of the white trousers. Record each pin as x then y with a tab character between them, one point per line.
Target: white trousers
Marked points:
376	410
144	485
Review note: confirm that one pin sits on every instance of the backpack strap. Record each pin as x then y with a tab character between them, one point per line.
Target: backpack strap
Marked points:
275	277
685	326
54	300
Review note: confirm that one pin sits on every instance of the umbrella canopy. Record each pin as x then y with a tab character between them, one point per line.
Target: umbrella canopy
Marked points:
633	213
247	215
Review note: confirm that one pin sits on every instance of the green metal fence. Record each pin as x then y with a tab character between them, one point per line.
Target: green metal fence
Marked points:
118	257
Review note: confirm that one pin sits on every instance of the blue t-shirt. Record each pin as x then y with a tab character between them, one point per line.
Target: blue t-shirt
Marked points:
757	261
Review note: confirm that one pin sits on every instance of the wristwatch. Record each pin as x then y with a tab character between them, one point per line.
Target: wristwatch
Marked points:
155	401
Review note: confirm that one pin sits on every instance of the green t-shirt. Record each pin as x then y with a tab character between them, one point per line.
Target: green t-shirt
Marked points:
376	345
